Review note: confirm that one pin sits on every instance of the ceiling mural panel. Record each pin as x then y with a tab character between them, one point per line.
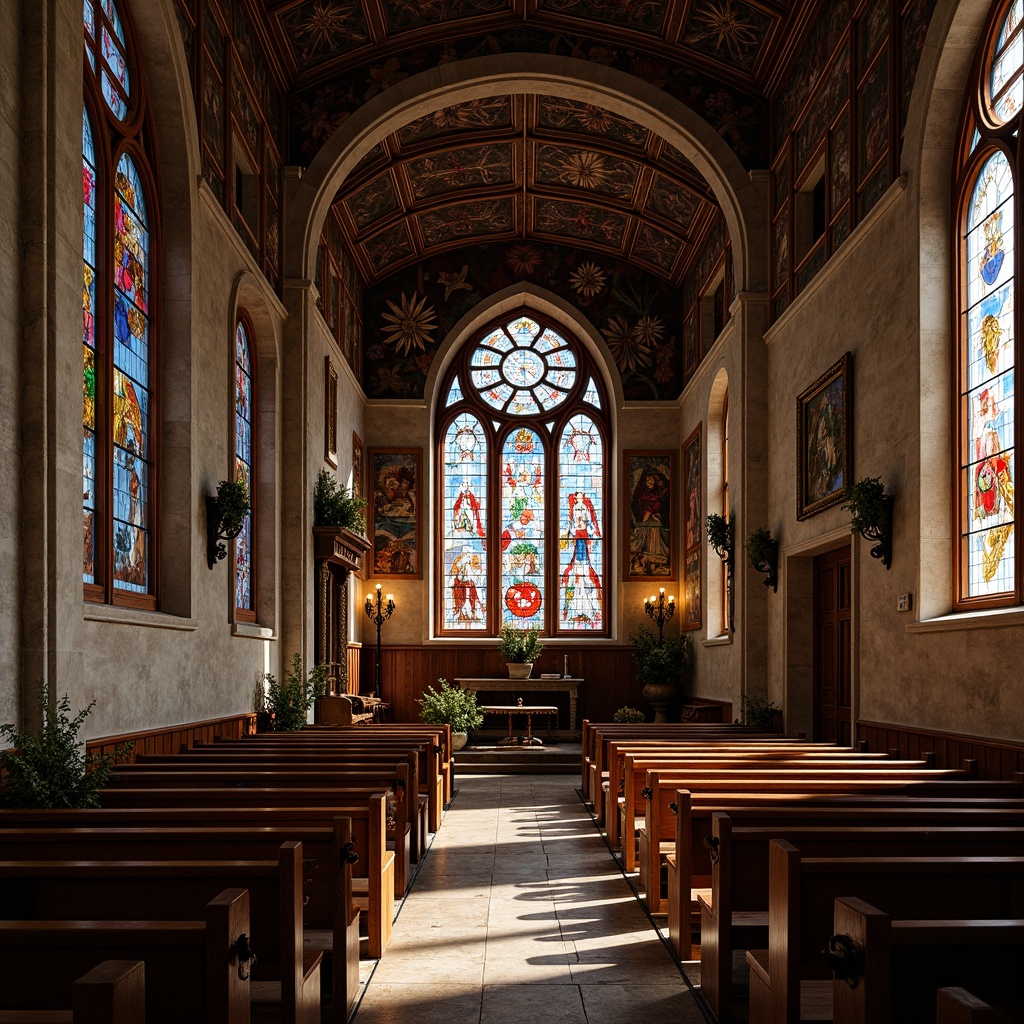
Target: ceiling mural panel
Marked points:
639	15
671	201
409	315
655	247
389	247
458	169
321	30
579	221
467	220
407	15
574	168
373	201
727	27
486	113
585	118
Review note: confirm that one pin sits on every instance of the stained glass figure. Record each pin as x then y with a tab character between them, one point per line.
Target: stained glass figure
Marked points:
88	349
990	395
131	381
243	464
1005	82
106	50
464	532
581	512
522	532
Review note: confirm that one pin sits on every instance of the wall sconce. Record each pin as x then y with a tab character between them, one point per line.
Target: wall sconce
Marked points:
378	611
871	511
225	517
763	554
660	611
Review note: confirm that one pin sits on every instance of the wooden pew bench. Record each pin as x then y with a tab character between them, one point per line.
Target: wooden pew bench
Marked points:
113	992
689	866
802	894
735	915
331	919
287	975
896	966
192	967
958	1006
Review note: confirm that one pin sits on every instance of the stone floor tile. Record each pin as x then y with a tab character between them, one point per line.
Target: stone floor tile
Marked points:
387	1003
550	1004
650	1002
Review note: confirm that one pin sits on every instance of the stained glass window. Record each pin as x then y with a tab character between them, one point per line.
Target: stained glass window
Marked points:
117	346
522	421
244	463
988	571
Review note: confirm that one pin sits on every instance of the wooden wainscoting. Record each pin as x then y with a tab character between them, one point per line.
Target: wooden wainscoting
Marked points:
175	738
985	758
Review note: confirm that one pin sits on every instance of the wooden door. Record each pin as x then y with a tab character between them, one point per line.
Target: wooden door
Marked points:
832	646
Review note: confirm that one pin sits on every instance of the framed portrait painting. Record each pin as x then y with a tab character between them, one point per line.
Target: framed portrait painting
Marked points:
393	511
358	486
824	434
330	413
650	514
693	531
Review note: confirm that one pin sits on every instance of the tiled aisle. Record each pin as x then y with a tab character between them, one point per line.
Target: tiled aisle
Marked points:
520	913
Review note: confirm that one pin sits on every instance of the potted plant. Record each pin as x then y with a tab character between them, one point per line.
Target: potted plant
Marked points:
451	705
719	531
50	770
627	715
660	667
335	506
758	711
225	517
520	648
871	511
287	704
763	554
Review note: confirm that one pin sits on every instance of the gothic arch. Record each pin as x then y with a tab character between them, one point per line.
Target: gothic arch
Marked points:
532	73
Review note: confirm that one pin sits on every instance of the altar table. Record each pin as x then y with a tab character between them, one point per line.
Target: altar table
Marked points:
535	685
529	711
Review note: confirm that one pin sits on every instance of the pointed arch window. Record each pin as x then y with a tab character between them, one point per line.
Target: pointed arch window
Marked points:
523	435
245	468
118	302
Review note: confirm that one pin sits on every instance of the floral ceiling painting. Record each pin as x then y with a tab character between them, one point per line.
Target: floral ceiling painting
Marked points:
409	315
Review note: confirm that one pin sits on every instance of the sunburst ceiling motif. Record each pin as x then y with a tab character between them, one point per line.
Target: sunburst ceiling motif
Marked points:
524	167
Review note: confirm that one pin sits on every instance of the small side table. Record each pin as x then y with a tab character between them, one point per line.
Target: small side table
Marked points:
528	712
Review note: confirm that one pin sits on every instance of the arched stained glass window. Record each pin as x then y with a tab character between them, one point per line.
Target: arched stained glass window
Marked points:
117	334
522	420
989	574
244	468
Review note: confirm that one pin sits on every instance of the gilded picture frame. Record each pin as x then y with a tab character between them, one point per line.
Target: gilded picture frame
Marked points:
393	512
649	514
824	440
693	532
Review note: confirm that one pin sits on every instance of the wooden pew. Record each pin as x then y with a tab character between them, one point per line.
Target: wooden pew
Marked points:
113	992
372	881
235	776
788	980
179	890
690	865
192	967
888	970
736	914
958	1006
330	916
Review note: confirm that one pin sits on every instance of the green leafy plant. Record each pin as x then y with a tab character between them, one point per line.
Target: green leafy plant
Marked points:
763	554
520	645
289	702
660	663
720	535
866	505
334	505
629	714
231	506
451	705
757	711
51	770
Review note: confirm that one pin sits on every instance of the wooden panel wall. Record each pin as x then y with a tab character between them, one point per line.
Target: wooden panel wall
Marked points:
175	738
354	657
407	671
992	759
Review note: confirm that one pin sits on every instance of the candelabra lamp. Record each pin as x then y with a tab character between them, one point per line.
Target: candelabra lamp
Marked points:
378	611
660	611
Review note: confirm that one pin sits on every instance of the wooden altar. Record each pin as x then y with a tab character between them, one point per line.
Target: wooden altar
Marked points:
536	685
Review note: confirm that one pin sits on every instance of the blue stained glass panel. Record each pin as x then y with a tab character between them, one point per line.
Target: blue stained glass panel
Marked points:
522	531
454	393
580	515
114	59
523	330
131	536
243	463
88	348
110	9
89	19
1007	61
464	525
592	395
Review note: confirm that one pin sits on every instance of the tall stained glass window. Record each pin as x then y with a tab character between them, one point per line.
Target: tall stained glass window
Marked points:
989	573
523	437
117	333
244	467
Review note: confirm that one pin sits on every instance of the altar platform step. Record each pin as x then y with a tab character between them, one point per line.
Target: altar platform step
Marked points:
486	759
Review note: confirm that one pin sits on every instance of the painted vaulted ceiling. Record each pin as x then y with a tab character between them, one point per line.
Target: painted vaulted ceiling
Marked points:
533	168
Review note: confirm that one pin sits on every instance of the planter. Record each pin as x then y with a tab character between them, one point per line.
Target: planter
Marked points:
459	739
520	669
660	696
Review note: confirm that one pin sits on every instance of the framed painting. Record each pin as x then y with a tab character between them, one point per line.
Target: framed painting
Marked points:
393	512
358	486
650	517
693	531
824	440
330	413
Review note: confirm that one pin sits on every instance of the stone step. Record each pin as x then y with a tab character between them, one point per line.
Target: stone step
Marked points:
563	759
